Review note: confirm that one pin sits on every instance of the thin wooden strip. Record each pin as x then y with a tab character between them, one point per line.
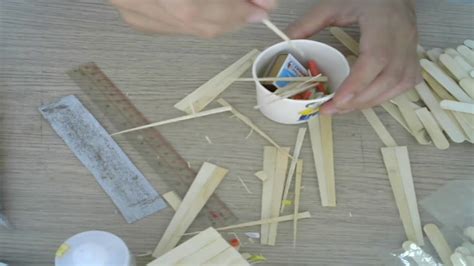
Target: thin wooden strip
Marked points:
318	156
393	110
173	199
291	171
453	67
433	54
449	125
468	86
279	219
249	123
206	253
188	247
435	132
289	79
445	81
203	186
298	179
394	175
278	186
451	52
467	54
457	106
465	65
269	161
439	243
379	128
328	155
178	119
207	92
409	189
345	39
412	95
227	257
413	122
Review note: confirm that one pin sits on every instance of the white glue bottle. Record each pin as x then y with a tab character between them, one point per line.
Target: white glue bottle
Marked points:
94	248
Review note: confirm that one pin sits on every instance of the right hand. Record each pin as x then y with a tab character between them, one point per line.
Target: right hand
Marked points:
203	18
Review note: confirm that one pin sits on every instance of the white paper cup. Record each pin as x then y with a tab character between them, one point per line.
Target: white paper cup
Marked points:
288	111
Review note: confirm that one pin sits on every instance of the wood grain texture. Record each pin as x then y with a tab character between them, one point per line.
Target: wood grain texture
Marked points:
40	40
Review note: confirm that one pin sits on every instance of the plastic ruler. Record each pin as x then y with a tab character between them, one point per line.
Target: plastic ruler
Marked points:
155	150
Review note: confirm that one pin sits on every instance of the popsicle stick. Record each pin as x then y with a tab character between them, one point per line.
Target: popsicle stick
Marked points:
453	67
467	54
445	81
433	54
439	243
279	219
435	132
399	173
203	186
282	35
177	119
269	162
328	154
291	171
206	253
457	259
289	79
412	95
345	39
457	106
393	110
208	91
261	175
451	52
420	51
468	86
298	178
249	123
379	128
449	124
413	122
173	199
469	43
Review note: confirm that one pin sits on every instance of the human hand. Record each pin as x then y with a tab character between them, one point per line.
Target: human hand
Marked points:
387	64
204	18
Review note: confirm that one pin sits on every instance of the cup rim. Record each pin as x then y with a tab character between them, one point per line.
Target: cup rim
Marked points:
323	99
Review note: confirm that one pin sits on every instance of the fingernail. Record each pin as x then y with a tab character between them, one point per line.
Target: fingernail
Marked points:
257	17
345	99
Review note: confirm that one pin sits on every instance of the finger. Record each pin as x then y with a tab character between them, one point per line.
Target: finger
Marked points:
265	4
145	24
232	12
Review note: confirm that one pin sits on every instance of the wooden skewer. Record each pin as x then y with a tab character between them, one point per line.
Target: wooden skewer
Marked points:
299	176
282	35
178	119
450	51
457	106
468	86
453	67
345	39
289	79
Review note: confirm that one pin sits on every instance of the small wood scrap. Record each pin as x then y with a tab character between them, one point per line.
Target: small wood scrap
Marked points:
439	243
320	130
399	172
294	160
206	248
173	199
298	179
436	134
434	54
457	106
177	119
207	92
203	186
261	175
379	128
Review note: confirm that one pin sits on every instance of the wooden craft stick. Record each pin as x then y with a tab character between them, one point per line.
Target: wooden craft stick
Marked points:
412	95
178	119
433	54
449	125
457	106
413	122
298	179
435	132
229	257
468	86
289	79
281	167
467	54
291	171
327	197
187	248
249	123
379	128
279	219
456	70
399	173
207	92
345	39
276	30
462	63
439	243
173	199
469	43
420	51
325	122
203	186
445	81
269	162
393	110
451	52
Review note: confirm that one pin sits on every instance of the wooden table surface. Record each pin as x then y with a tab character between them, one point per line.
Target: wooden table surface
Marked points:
49	195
